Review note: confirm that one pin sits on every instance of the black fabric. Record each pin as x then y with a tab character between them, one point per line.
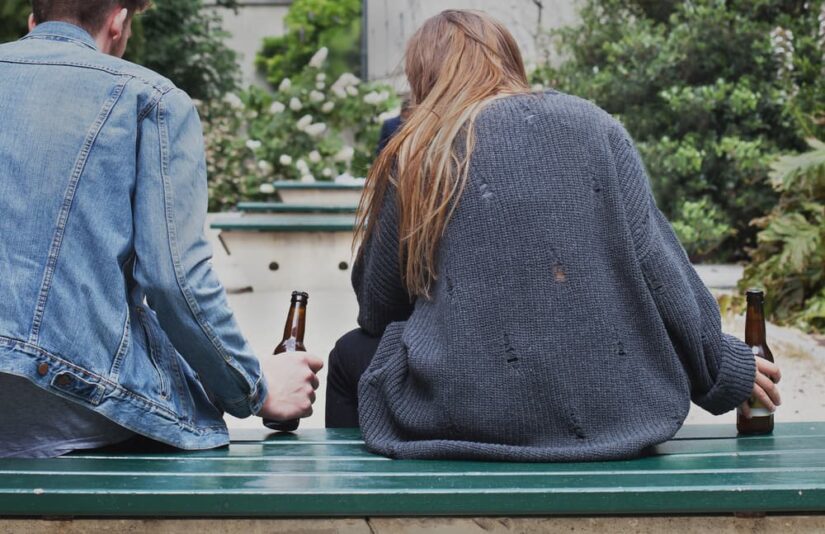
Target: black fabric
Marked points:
347	362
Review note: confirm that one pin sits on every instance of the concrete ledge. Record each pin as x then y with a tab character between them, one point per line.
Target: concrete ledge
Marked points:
601	525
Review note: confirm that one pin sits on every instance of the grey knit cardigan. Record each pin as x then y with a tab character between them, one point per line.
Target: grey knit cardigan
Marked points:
566	322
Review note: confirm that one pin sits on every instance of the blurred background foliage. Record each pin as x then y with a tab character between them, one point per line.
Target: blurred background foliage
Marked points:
712	91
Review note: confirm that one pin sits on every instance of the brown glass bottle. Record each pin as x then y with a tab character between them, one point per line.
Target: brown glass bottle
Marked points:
293	341
761	421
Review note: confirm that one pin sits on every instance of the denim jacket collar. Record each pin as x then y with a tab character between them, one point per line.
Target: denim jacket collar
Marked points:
62	31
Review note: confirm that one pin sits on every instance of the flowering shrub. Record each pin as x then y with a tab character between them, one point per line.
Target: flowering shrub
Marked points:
712	91
310	128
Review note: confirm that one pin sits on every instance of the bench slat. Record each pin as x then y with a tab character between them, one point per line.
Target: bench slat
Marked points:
329	473
280	207
285	223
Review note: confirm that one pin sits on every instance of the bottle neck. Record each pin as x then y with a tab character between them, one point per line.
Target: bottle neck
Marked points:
296	322
755	323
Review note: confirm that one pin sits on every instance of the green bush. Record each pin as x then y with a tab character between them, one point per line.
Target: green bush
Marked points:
711	90
14	16
312	128
789	261
701	228
184	41
180	39
310	25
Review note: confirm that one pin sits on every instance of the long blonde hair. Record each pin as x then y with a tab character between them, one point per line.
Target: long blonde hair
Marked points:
456	63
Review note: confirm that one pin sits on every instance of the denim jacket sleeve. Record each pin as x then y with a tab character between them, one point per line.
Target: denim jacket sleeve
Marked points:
173	257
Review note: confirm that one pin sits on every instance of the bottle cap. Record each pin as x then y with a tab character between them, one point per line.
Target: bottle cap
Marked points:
300	294
755	294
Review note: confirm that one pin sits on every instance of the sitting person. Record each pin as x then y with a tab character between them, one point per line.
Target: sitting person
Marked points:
113	326
521	297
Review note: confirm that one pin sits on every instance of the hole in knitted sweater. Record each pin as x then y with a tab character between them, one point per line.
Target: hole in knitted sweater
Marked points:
509	352
559	274
486	194
576	427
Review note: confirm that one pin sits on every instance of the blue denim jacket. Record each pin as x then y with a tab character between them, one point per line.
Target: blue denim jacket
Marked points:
107	295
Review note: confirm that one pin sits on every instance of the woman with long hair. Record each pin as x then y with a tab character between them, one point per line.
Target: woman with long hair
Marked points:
521	297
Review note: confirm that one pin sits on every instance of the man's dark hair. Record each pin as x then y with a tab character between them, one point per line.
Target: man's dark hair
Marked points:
89	14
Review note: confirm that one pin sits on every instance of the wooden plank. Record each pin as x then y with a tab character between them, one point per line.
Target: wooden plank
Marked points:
282	223
280	207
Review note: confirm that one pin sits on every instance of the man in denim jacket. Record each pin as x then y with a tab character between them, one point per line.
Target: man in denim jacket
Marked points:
112	322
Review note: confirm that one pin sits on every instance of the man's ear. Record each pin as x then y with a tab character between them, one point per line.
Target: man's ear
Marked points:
117	27
32	22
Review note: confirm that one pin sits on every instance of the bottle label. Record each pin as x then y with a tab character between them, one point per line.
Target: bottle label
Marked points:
757	409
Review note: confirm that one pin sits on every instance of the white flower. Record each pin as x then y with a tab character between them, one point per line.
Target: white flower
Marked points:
303	122
316	130
307	178
285	160
320	86
345	154
320	77
316	96
318	59
374	98
276	108
295	104
267	189
253	144
315	156
327	172
302	166
265	167
327	107
347	79
285	85
537	87
352	91
233	100
340	92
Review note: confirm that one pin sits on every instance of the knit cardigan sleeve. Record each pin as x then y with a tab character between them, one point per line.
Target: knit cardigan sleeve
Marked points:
721	368
376	275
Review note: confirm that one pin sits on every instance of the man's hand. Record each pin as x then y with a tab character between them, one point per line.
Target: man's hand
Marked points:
764	387
292	381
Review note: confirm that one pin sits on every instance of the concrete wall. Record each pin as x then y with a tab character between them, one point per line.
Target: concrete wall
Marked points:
254	20
390	23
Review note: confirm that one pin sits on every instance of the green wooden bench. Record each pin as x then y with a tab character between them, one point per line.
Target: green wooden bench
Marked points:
302	209
318	192
284	223
328	473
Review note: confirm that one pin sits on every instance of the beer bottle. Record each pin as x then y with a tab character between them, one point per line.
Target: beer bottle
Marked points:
761	421
293	341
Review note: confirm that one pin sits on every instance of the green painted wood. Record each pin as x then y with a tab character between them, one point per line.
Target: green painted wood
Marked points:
321	186
285	223
704	469
280	207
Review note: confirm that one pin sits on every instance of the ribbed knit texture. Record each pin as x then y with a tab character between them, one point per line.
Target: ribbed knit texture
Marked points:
566	323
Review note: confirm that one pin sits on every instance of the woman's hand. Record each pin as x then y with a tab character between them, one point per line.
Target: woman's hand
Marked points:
292	381
764	387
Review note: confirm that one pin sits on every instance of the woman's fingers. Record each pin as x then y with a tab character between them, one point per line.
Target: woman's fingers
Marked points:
769	369
760	395
746	409
769	387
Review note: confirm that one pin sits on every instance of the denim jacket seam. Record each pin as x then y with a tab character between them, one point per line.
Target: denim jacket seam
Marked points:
103	381
161	86
183	284
66	206
125	342
63	38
